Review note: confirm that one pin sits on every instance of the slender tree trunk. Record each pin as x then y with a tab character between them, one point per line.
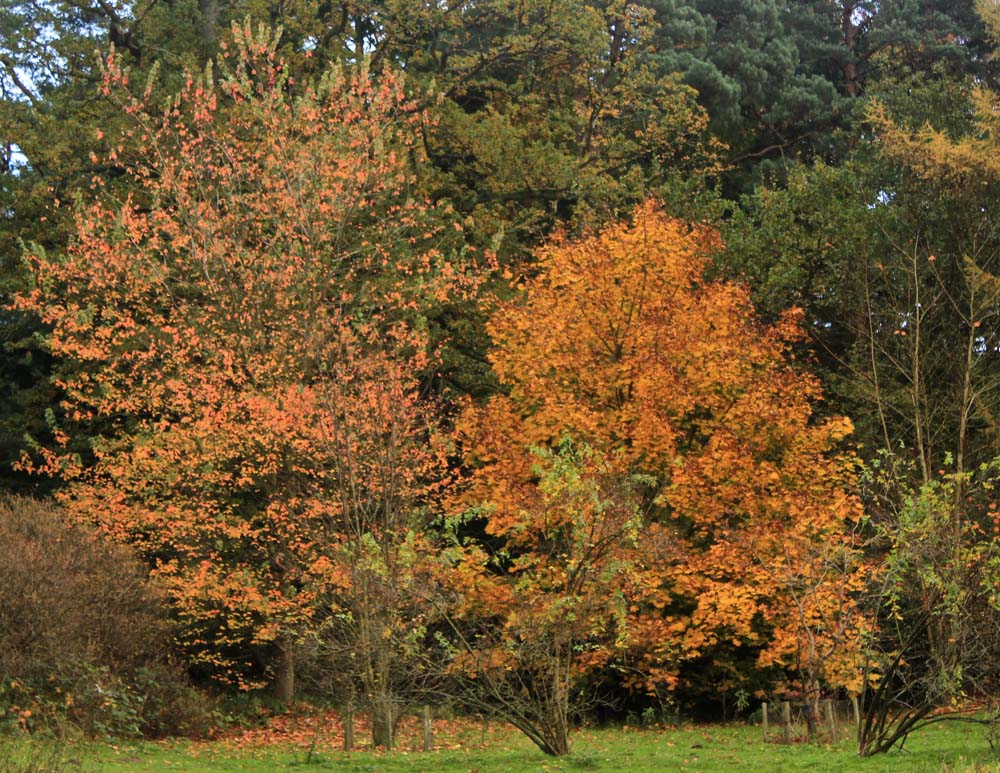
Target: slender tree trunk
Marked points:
559	708
917	395
284	681
849	36
208	26
348	722
383	722
873	359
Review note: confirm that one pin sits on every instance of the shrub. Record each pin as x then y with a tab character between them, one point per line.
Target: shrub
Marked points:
82	634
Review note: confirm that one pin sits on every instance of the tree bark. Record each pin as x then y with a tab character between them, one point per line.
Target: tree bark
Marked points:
383	722
284	680
208	26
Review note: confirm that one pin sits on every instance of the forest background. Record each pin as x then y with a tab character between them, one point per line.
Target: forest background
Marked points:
555	358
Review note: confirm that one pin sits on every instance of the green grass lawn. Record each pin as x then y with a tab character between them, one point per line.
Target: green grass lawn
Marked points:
946	747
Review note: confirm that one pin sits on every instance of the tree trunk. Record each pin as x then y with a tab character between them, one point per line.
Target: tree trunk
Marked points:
849	37
208	24
348	723
558	710
813	702
560	739
383	722
284	680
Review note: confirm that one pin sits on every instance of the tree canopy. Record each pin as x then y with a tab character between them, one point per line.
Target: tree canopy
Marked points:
519	352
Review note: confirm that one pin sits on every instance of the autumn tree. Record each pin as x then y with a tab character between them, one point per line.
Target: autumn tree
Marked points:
694	409
892	267
235	332
894	257
545	607
377	568
934	344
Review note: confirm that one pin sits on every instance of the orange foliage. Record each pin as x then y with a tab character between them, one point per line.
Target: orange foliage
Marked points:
733	510
242	338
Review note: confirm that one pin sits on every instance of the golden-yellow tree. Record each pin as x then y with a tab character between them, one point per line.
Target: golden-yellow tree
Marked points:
732	510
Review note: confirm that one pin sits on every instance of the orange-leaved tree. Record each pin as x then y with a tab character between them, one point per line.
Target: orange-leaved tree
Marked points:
242	343
732	510
545	606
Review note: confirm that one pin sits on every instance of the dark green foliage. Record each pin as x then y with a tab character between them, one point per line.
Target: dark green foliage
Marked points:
782	79
861	247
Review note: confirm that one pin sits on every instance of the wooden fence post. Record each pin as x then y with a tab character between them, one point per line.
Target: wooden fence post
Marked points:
763	708
831	720
428	734
786	717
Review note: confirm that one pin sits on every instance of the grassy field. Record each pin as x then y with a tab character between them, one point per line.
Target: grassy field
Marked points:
473	748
